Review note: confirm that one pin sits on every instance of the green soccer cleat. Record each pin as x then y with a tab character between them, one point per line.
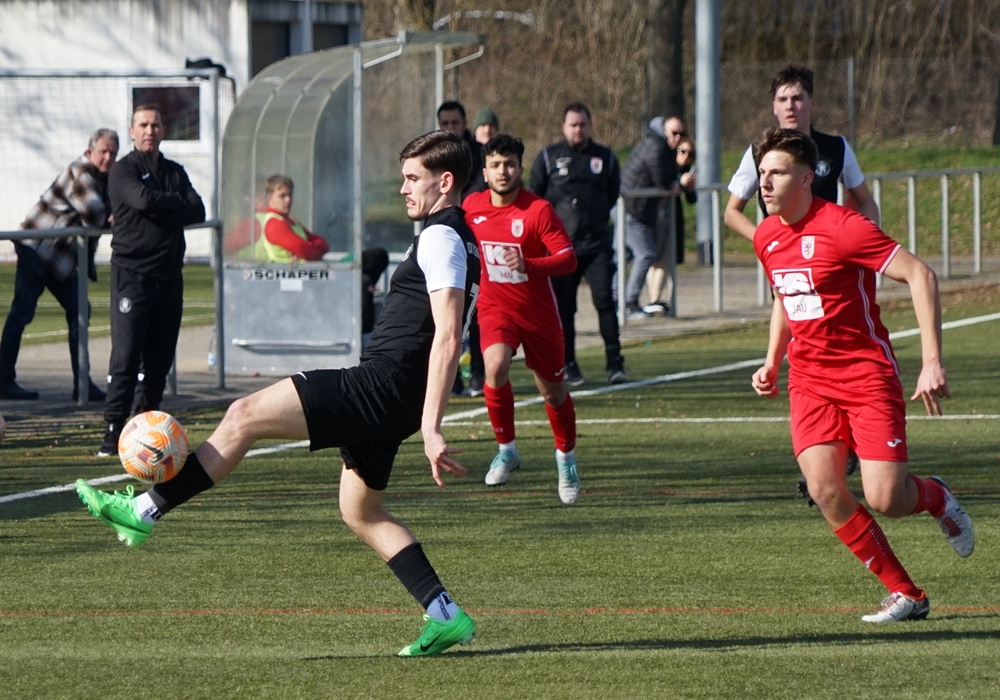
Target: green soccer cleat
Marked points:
437	636
117	510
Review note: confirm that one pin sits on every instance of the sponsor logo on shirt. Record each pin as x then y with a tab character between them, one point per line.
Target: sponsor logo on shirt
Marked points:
808	247
562	165
496	266
517	227
596	166
798	292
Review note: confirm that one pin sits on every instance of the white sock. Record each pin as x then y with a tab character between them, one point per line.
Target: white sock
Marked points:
566	456
442	608
146	509
508	446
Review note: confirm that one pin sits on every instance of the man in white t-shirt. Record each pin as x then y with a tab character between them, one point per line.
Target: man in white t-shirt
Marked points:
792	93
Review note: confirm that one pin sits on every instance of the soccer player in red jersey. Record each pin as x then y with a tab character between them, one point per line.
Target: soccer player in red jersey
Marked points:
522	244
843	381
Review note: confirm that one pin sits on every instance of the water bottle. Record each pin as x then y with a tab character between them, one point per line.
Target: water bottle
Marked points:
212	344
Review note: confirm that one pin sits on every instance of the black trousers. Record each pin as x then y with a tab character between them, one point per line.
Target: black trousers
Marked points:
145	322
599	269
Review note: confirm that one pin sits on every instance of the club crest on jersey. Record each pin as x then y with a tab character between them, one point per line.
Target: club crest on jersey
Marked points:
517	227
808	247
596	166
822	168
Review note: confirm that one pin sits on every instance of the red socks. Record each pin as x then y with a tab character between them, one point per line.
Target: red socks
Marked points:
563	422
865	538
930	496
500	406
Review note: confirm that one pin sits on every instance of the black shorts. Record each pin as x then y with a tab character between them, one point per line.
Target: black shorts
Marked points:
367	411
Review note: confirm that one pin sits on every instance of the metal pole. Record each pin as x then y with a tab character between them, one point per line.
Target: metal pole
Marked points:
620	255
438	77
911	213
213	82
877	196
716	252
761	274
707	101
306	27
850	101
82	323
945	230
220	305
672	254
358	177
977	223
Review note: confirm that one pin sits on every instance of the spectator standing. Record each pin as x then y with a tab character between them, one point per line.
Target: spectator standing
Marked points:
486	126
451	117
793	104
283	239
580	179
78	197
658	276
152	200
650	165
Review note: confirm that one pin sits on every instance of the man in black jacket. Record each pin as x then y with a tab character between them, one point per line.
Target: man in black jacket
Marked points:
580	178
653	163
152	201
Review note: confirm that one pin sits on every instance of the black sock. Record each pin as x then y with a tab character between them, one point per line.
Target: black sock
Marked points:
416	573
189	482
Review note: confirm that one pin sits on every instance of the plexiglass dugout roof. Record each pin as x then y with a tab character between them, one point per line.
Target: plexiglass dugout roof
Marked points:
334	121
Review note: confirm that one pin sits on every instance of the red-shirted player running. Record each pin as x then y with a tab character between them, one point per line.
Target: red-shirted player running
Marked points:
842	376
522	243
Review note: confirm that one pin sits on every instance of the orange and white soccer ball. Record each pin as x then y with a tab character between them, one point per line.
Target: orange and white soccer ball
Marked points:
153	447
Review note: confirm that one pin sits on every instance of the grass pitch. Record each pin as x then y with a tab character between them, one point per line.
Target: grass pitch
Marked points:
688	569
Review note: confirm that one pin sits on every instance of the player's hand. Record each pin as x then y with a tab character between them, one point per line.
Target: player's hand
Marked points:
512	256
765	381
439	455
931	386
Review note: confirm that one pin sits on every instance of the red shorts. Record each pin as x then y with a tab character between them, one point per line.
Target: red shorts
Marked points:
544	349
869	416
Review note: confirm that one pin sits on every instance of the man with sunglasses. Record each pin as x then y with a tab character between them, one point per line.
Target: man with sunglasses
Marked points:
653	163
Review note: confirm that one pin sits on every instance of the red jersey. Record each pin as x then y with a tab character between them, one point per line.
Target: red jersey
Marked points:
530	224
824	268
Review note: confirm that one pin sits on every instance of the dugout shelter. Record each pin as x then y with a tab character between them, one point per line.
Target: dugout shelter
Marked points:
334	121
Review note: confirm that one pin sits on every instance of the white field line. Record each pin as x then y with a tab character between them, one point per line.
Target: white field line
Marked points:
65	332
457	419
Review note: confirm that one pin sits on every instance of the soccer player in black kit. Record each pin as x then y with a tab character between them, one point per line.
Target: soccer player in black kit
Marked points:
401	386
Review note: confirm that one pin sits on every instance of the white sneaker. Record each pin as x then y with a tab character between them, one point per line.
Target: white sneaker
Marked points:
897	607
569	480
500	468
955	523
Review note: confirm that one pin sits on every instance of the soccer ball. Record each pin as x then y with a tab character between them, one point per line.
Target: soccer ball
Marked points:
153	447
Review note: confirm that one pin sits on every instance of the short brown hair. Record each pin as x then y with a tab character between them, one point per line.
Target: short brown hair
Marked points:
441	152
790	75
276	181
577	107
147	107
800	147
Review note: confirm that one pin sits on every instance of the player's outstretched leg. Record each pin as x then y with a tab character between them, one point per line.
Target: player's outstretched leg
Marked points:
274	412
445	624
499	396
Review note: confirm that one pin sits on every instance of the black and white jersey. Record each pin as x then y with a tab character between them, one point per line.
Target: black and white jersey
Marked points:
443	255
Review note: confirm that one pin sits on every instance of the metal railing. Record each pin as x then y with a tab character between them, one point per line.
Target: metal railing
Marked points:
82	236
711	195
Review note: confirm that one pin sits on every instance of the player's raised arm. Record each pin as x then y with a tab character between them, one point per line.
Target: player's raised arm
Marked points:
737	220
765	379
933	381
446	308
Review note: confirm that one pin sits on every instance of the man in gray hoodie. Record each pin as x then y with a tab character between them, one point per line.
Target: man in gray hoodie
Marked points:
653	163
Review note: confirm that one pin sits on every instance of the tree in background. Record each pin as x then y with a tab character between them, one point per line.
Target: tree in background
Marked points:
664	32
